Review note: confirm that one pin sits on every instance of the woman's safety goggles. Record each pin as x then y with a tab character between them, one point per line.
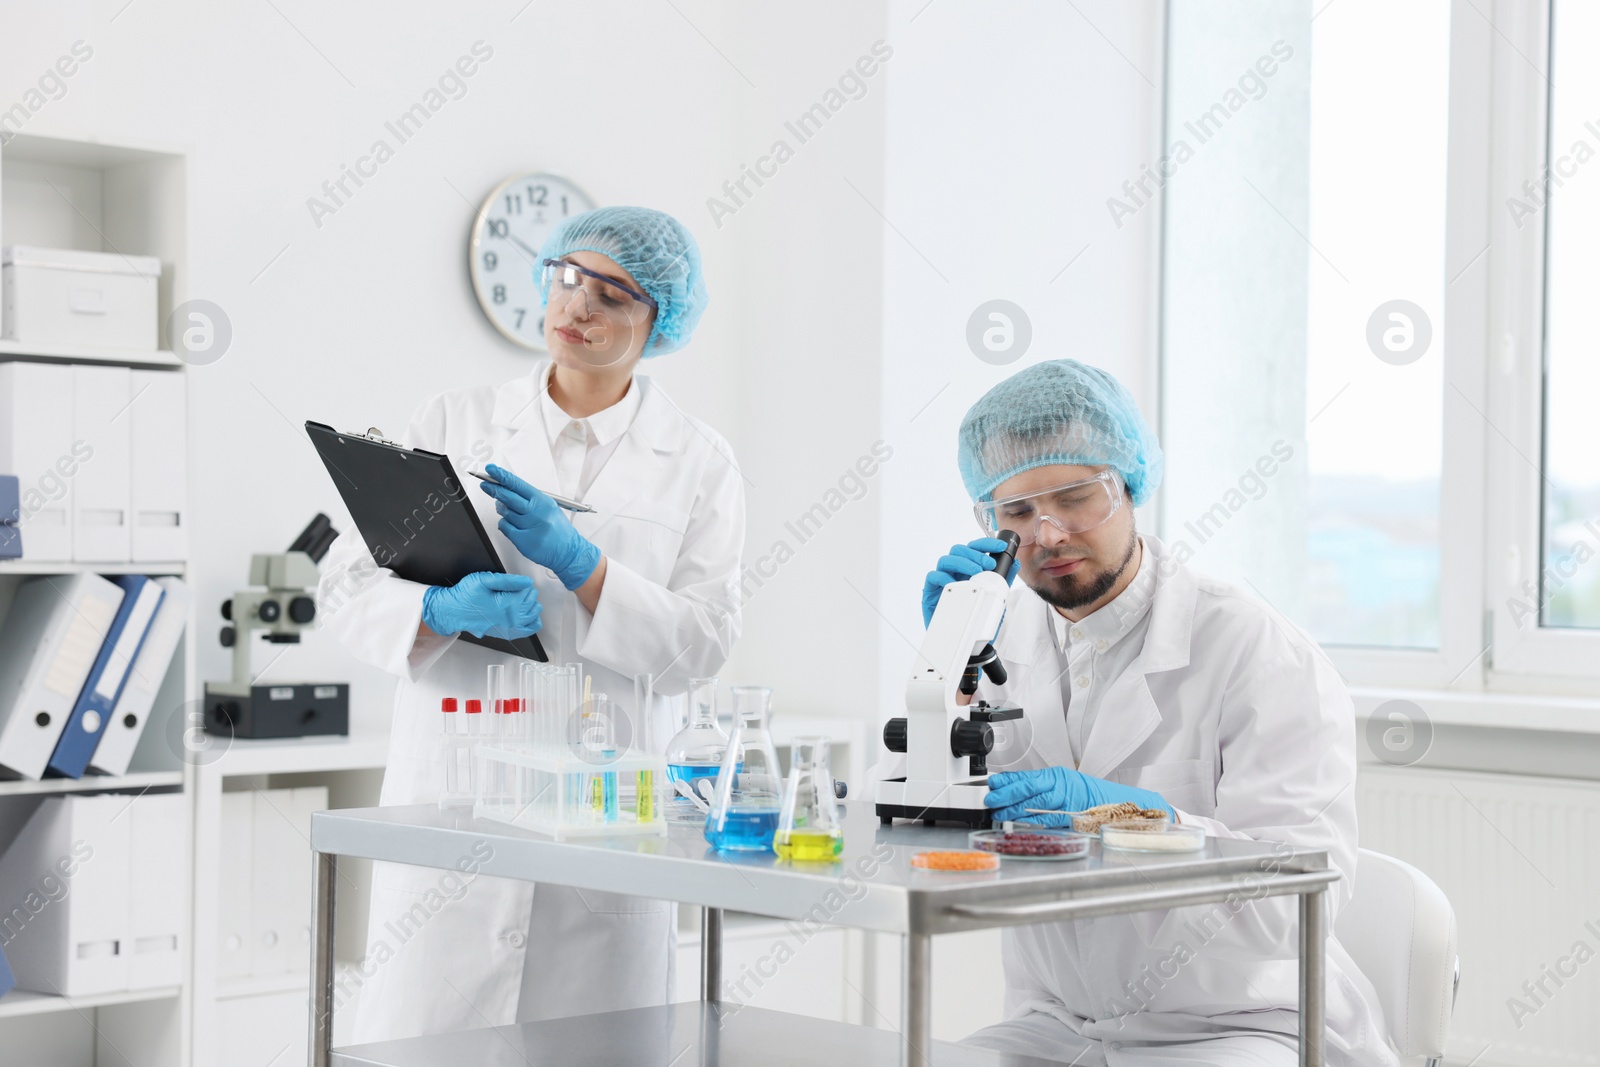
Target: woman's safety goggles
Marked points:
1071	508
602	296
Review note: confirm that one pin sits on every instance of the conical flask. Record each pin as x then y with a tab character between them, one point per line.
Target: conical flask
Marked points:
809	829
744	809
695	752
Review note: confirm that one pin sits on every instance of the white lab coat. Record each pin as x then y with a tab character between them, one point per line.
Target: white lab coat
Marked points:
1237	719
670	520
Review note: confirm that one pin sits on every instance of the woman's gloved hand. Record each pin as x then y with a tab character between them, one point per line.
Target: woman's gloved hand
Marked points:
961	563
1011	793
484	604
542	533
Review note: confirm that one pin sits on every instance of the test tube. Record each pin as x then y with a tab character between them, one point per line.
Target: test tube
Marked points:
474	734
525	689
452	748
526	783
610	803
644	804
572	723
495	702
547	707
495	695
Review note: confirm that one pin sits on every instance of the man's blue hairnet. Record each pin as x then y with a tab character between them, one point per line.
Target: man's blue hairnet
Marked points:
1059	412
652	246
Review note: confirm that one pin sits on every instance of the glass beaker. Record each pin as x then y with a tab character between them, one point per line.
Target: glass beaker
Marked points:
809	829
695	752
744	812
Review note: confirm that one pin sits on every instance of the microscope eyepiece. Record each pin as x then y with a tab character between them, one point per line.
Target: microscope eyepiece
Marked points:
1004	560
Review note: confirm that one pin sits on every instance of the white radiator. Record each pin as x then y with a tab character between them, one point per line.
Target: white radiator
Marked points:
1519	859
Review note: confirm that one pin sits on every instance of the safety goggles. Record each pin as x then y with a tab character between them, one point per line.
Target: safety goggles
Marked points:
1072	508
601	295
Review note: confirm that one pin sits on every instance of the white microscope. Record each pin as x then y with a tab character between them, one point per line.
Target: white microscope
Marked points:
947	743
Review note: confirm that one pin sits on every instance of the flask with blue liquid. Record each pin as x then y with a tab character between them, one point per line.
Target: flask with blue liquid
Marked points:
695	752
749	792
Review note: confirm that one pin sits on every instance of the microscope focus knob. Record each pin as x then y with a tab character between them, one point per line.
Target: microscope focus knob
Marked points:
227	610
269	611
968	738
226	637
894	735
302	609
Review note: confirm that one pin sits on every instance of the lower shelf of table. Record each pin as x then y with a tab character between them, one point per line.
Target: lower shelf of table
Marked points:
678	1034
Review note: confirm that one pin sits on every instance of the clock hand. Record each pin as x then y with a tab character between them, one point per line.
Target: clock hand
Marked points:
519	243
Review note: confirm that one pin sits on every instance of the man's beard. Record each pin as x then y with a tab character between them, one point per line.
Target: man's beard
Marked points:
1072	591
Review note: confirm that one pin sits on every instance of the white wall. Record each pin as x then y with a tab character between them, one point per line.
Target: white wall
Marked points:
976	164
1009	126
1001	132
355	321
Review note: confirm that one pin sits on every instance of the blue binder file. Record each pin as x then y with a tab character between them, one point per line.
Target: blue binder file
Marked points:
10	518
8	981
141	597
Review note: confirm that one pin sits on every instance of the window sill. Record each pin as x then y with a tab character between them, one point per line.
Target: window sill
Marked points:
1497	733
1506	711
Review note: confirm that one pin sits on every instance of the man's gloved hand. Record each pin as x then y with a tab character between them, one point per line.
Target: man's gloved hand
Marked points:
961	563
542	533
484	604
1011	793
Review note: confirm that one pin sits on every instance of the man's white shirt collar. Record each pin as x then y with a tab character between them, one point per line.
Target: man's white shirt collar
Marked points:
1112	621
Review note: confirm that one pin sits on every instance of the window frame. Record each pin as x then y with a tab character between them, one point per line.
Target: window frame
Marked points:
1493	351
1457	663
1525	655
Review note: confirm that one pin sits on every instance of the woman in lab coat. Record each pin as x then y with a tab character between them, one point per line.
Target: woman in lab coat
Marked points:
647	583
1142	681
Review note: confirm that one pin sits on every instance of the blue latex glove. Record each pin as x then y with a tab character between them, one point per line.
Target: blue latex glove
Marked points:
1011	793
484	604
962	563
540	530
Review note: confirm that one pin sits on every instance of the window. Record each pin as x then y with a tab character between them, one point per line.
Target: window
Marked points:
1569	573
1303	297
1374	353
1380	271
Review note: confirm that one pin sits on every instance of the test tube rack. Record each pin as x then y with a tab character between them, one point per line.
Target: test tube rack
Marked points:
564	795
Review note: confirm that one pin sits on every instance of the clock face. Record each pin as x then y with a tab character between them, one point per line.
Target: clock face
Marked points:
510	227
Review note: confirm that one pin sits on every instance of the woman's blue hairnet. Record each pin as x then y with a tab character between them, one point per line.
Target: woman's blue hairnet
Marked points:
652	246
1059	412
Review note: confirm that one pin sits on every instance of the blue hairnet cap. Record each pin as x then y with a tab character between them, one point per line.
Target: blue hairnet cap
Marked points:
1059	412
652	246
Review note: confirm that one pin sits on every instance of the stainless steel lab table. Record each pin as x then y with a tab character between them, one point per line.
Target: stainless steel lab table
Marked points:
873	887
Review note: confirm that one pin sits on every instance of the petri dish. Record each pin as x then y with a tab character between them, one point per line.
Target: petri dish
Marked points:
1036	843
955	860
1150	836
1089	822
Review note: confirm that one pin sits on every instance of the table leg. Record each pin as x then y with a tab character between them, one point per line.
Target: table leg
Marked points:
916	1001
711	955
1313	946
323	880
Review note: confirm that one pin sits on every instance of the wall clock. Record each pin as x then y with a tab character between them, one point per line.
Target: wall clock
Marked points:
503	255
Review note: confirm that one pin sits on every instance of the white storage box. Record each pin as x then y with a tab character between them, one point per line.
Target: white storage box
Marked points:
61	296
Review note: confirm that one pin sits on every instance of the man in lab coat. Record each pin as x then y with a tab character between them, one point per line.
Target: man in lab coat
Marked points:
1141	680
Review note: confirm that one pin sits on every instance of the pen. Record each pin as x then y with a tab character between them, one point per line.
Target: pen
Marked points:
570	505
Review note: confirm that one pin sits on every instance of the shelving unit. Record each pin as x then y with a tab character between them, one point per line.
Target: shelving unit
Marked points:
235	1020
23	566
47	353
21	1002
140	782
133	199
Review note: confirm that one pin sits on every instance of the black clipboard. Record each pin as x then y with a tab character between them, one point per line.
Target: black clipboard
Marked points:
413	512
